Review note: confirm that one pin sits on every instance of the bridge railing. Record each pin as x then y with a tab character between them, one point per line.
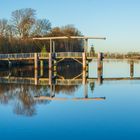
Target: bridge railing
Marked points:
15	55
43	55
68	54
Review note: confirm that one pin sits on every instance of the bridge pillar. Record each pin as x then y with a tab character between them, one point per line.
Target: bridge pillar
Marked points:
36	61
84	60
50	61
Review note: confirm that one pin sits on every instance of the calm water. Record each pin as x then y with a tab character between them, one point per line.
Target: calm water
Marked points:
116	115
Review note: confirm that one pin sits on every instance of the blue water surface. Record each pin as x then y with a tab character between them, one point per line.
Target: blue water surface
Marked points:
116	117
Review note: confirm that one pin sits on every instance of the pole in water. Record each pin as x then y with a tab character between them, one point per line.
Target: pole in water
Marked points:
100	68
131	69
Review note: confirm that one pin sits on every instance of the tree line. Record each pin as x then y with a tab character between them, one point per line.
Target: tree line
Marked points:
16	33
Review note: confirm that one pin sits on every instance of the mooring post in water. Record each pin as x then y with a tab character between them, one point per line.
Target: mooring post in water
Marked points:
100	67
35	60
131	69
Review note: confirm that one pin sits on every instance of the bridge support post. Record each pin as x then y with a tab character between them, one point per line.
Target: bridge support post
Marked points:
85	45
53	45
84	60
100	68
36	61
50	61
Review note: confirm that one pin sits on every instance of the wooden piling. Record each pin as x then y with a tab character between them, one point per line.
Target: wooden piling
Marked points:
131	69
36	61
84	60
50	61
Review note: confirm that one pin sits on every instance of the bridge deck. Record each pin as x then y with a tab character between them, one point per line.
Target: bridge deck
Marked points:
31	56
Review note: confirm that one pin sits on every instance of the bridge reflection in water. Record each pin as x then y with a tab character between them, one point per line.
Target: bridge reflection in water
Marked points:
52	82
29	86
54	79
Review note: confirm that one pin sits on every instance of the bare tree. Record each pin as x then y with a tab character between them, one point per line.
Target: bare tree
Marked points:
22	21
41	27
3	27
67	45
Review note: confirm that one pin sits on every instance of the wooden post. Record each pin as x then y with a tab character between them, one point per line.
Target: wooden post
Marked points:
84	60
131	69
85	45
100	68
50	46
53	50
50	61
36	61
36	76
50	77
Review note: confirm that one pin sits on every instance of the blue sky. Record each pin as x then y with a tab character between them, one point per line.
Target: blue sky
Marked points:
118	20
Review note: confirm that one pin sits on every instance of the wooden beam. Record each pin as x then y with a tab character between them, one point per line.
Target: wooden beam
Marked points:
69	37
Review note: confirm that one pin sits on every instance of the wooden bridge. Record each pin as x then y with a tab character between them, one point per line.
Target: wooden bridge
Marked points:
43	56
52	56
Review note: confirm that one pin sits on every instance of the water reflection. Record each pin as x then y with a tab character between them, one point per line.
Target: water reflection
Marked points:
25	87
